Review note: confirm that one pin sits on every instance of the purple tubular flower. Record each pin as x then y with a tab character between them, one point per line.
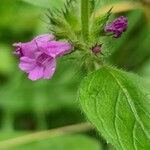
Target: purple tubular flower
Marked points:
117	27
38	57
56	48
29	48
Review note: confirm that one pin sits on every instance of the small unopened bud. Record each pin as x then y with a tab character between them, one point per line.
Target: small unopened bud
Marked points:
117	27
97	48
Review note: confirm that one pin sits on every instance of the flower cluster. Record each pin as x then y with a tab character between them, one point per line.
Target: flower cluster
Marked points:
38	57
117	27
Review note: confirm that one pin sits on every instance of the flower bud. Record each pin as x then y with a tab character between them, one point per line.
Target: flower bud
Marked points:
97	48
117	27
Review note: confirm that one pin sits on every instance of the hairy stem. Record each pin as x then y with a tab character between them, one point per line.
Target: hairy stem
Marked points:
82	127
85	19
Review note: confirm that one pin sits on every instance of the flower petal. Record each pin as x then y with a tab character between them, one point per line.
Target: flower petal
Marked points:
29	49
42	39
36	73
56	48
50	69
26	49
26	64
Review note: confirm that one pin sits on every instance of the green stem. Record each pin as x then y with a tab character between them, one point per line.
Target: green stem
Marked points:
85	19
38	136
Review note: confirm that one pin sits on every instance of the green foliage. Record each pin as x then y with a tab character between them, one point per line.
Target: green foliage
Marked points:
145	70
27	101
6	67
11	22
118	104
46	3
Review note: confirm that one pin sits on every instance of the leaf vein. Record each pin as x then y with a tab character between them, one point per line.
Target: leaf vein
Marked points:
133	135
131	104
115	113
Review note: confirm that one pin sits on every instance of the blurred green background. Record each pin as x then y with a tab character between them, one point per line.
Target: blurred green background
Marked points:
27	106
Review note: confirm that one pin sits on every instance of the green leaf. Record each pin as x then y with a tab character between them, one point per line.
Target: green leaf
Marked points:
46	3
118	104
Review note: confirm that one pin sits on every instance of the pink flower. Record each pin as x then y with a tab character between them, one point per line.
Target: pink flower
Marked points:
38	57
